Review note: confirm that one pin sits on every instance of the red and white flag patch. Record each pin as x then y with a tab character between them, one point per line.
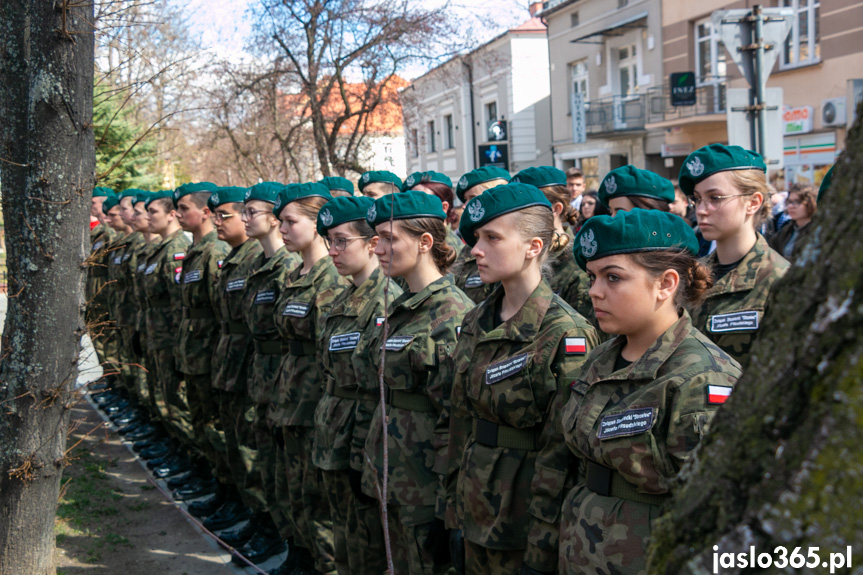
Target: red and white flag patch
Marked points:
575	345
379	321
179	255
717	394
177	273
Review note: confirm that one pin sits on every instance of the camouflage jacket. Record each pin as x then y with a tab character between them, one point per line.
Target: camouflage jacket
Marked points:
421	339
569	281
304	302
116	280
127	306
454	241
143	254
344	412
467	278
263	287
97	265
641	422
233	352
506	378
161	284
199	331
734	308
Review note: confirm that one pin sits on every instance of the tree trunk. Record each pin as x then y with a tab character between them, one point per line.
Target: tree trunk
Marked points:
47	164
782	464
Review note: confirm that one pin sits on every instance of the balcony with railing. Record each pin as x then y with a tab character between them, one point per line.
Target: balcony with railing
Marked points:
615	114
709	101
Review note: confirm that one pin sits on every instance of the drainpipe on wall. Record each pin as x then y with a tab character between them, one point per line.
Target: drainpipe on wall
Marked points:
475	151
550	99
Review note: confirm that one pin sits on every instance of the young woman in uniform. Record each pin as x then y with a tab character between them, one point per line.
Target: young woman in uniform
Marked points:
643	399
414	348
628	187
438	185
728	186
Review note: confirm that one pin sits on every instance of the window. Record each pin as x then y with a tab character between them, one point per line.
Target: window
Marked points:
432	145
491	112
450	140
709	55
801	44
628	69
573	20
622	3
578	75
415	143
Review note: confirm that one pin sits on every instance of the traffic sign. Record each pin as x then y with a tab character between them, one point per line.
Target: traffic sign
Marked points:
736	32
740	126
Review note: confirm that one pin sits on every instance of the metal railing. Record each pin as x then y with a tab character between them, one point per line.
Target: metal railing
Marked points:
614	114
709	99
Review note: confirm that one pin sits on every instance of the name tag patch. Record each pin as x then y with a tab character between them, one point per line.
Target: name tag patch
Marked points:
575	345
98	245
265	296
235	285
142	267
630	422
192	276
737	321
151	268
297	309
473	281
503	369
398	342
344	341
717	394
126	257
117	260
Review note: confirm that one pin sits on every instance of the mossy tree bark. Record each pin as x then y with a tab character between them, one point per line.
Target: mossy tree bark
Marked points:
783	462
47	167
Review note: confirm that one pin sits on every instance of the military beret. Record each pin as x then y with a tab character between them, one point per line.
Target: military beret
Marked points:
193	188
226	195
379	176
631	232
102	192
404	206
715	158
264	192
631	181
142	196
342	210
826	182
130	193
293	192
479	176
158	196
496	202
110	202
418	178
338	183
541	177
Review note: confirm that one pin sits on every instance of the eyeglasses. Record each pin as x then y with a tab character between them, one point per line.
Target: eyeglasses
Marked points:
220	217
712	202
341	244
793	203
250	213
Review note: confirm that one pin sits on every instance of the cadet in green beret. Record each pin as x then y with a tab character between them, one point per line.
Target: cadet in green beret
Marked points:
628	187
306	297
379	183
640	404
344	412
728	186
262	289
515	351
469	186
110	331
438	185
101	235
418	341
338	186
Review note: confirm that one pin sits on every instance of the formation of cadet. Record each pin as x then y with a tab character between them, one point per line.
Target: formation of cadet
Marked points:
295	358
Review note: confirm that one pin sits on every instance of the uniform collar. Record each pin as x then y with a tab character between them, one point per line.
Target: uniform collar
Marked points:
277	259
735	281
241	250
318	268
525	324
412	301
355	297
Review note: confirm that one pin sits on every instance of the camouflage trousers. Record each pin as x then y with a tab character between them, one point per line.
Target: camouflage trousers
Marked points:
240	450
358	535
414	539
268	459
481	560
309	510
206	427
126	357
173	409
604	534
144	366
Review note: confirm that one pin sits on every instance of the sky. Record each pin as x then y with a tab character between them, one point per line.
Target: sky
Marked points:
223	27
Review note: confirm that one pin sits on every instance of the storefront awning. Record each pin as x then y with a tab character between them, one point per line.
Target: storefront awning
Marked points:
617	29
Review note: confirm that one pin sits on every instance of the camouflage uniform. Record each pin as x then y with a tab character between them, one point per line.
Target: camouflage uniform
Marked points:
114	343
506	378
147	376
164	311
127	308
263	287
421	339
231	359
631	430
569	281
453	241
303	303
197	337
467	278
97	312
734	307
342	418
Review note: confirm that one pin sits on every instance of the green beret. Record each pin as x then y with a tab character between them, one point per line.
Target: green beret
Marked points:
631	181
338	183
102	192
496	202
341	210
264	192
130	193
715	158
110	202
826	182
226	195
404	206
631	232
141	196
479	176
193	188
293	192
541	177
418	178
158	196
379	176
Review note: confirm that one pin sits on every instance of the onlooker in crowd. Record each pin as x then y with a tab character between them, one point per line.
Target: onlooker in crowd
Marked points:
588	208
575	185
682	207
800	206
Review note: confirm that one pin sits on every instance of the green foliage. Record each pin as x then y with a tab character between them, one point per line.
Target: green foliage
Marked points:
118	146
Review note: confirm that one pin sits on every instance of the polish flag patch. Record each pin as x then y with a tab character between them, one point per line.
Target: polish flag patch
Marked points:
575	345
379	321
179	256
717	394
